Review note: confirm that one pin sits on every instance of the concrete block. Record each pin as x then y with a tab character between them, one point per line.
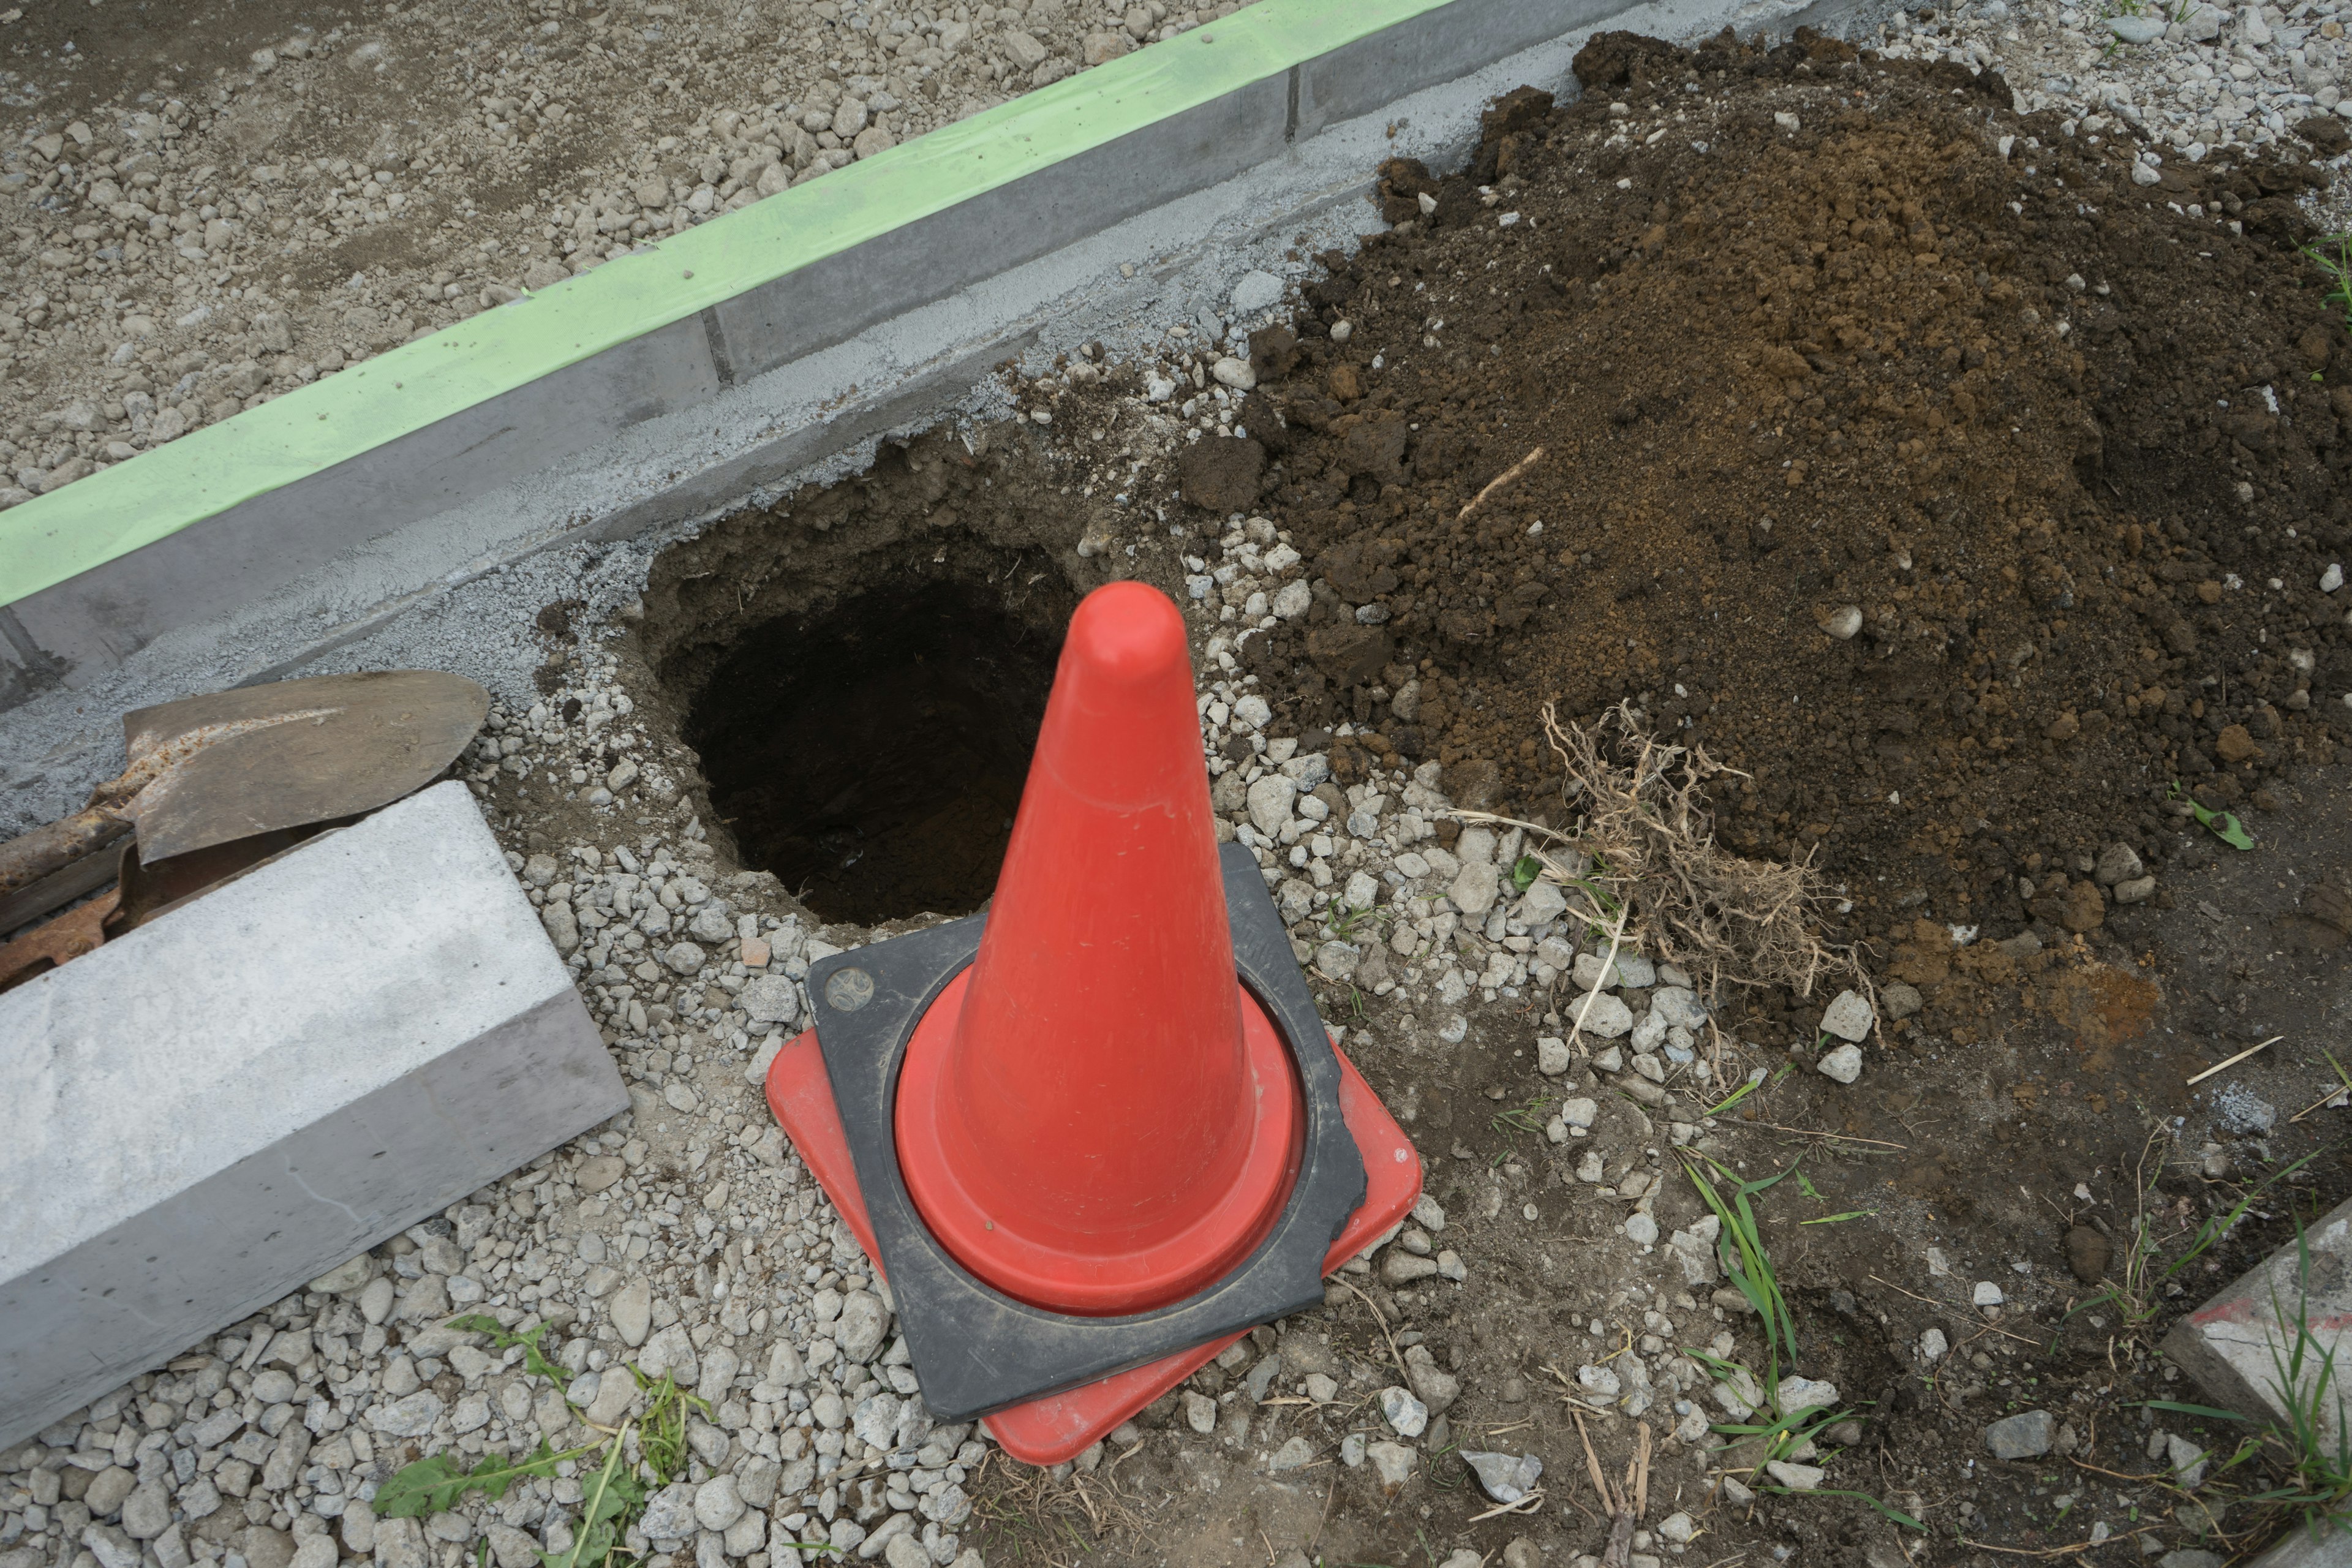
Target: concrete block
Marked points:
1435	46
933	258
230	1101
86	626
2326	1544
2235	1345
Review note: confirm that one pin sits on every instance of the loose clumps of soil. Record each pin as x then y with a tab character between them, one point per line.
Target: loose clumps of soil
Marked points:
2064	446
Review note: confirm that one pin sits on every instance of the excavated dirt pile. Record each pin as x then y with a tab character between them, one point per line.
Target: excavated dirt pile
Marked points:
1914	457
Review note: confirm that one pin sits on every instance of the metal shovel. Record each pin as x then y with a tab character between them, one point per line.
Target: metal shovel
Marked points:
209	771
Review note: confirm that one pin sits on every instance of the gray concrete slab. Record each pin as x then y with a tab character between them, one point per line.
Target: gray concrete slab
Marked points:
2242	1345
231	1100
998	230
250	552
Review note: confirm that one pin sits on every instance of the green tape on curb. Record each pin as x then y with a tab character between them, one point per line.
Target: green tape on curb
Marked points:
111	513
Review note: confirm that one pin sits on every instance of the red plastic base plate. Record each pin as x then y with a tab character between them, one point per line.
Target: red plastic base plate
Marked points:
1062	1426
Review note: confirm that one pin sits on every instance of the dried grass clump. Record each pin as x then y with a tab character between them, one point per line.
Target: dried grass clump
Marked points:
1640	863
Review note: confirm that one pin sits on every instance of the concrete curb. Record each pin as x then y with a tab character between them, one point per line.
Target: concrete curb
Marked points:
239	1096
2233	1345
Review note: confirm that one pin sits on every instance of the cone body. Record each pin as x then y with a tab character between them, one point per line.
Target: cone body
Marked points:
1094	1117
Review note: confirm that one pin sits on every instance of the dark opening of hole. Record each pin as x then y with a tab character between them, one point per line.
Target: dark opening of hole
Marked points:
872	756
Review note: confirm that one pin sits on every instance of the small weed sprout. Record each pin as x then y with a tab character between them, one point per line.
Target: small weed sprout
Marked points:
2223	826
1740	1252
641	1455
2332	253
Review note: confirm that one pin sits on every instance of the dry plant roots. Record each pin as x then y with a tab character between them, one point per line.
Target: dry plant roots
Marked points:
1640	862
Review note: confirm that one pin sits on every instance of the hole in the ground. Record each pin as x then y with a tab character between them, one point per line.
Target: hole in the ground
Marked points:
871	755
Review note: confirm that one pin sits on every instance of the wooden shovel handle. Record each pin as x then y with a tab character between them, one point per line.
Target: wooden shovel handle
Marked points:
24	861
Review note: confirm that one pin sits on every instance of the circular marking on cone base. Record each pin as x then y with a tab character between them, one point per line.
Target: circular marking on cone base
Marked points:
848	990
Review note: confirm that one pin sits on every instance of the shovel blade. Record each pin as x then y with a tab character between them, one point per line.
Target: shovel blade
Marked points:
292	753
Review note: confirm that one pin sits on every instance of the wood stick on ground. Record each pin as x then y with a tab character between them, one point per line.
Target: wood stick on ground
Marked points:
1620	1550
2330	1097
1500	480
2234	1061
1531	1503
1642	1476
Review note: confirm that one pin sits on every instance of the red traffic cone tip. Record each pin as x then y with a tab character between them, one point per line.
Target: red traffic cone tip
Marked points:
1094	1118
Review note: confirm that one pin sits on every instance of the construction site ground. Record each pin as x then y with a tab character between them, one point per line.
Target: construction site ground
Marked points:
1964	485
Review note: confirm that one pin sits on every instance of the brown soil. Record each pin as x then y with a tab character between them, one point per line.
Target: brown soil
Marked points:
1803	371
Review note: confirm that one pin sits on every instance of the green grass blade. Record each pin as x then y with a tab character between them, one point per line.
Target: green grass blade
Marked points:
1895	1514
2178	1408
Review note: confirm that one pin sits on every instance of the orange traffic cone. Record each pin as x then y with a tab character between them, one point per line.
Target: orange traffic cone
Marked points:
1113	1142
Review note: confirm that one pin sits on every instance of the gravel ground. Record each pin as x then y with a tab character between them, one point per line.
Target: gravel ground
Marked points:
199	227
2187	79
686	1238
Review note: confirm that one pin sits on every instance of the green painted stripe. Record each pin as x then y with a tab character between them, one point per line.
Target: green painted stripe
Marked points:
109	514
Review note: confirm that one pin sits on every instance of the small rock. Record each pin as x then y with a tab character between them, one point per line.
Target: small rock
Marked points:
1235	372
1987	1294
1934	1346
1407	1417
670	1513
1291	1456
1843	622
1476	888
1843	1064
345	1277
1606	1017
769	999
1679	1528
147	1511
1900	1000
863	1322
411	1417
2118	862
2188	1460
1270	802
1795	1476
2136	30
1399	1267
1796	1394
1256	291
632	1312
1200	1413
2024	1435
1392	1463
1848	1017
717	1503
1506	1477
